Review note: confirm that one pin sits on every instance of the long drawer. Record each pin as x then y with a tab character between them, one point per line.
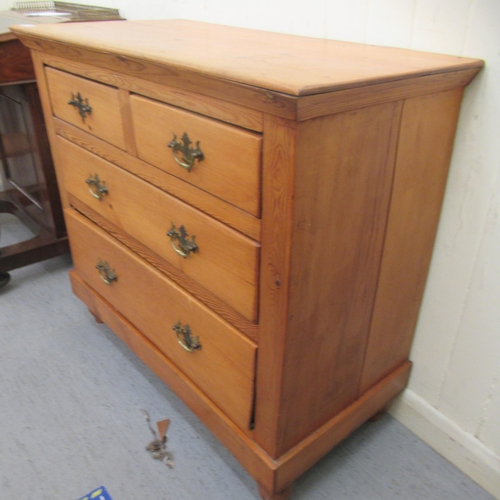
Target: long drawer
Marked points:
224	261
212	353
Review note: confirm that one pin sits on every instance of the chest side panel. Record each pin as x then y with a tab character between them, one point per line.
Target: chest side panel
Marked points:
426	140
344	169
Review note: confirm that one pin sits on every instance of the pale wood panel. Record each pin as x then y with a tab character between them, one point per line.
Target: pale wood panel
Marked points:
126	113
306	108
247	96
215	207
230	168
225	263
344	169
277	227
274	61
231	113
425	145
154	305
105	119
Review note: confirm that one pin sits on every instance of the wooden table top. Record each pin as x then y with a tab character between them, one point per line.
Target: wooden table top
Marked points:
289	64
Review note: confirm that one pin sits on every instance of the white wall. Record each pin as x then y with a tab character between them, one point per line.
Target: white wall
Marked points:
453	400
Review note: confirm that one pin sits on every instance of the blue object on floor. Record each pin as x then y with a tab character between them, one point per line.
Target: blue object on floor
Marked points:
99	494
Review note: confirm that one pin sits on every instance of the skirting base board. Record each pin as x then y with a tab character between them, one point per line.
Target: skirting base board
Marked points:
460	448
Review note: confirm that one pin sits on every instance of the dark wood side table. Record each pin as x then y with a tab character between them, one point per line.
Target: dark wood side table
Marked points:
27	172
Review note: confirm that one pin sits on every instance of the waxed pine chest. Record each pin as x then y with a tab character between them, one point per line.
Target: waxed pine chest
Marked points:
254	215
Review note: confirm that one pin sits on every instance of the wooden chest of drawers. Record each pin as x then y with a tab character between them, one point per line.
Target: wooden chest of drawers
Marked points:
253	214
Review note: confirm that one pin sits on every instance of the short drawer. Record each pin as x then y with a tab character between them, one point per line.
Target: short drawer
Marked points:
224	261
209	351
216	157
88	105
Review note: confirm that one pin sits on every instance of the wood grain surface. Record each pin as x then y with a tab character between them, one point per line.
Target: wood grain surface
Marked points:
225	262
282	63
230	168
142	293
211	300
105	118
215	207
425	145
343	177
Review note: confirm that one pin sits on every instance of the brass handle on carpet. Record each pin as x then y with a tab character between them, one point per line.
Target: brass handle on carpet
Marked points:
97	187
183	153
107	274
182	245
185	338
81	104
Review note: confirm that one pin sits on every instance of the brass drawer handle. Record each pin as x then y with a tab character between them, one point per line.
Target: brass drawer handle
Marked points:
184	155
107	274
97	187
82	105
185	338
180	241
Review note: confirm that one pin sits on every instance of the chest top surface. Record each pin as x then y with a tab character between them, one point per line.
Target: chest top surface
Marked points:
290	64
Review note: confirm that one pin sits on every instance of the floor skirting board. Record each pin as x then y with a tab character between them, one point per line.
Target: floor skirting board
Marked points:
459	447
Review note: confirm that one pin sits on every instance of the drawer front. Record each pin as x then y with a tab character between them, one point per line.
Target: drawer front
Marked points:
230	164
225	262
223	367
70	94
